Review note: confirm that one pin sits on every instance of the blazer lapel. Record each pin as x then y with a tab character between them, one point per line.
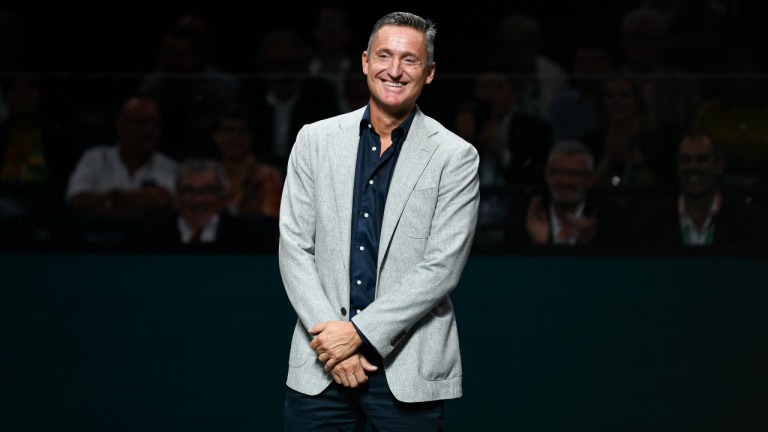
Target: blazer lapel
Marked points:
343	165
414	156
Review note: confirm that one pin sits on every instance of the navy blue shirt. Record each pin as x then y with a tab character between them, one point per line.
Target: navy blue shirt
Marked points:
373	175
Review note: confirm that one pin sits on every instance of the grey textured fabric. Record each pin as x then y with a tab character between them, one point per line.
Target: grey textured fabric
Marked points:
426	235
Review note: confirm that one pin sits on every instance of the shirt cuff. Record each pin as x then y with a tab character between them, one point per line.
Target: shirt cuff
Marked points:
362	336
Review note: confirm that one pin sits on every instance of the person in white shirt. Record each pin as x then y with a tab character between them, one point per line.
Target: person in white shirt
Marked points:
201	197
130	178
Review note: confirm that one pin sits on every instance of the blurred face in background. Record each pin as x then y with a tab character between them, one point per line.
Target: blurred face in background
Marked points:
591	61
397	68
497	90
138	127
697	167
284	58
23	97
177	55
234	138
568	179
643	42
332	33
199	197
620	101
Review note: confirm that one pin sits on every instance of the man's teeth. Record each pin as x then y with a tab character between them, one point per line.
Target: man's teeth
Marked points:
391	84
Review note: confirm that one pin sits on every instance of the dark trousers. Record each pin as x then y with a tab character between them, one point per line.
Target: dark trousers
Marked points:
344	409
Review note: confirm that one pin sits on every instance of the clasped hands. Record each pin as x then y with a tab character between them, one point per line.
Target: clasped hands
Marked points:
336	345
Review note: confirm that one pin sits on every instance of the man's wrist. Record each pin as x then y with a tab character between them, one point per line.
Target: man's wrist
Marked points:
359	333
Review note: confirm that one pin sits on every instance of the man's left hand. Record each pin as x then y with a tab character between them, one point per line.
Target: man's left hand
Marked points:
336	341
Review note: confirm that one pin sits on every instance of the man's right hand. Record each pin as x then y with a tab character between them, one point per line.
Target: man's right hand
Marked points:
351	372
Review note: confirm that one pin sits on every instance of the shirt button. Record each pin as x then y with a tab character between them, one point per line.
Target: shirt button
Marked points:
370	181
358	311
373	148
365	214
362	248
369	125
359	282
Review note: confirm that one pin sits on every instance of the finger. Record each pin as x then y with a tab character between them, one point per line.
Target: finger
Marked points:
352	379
367	365
318	328
316	342
343	378
533	206
359	374
336	378
330	364
324	357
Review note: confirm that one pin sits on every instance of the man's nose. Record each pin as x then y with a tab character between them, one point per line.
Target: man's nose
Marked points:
395	70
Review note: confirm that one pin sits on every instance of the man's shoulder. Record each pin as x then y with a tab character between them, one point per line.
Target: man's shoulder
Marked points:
98	153
448	140
335	122
164	161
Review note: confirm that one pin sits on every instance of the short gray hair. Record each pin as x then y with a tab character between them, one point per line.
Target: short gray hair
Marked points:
200	165
405	19
572	148
645	15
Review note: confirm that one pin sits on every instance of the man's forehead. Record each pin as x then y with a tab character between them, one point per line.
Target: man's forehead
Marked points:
207	176
397	35
566	159
696	145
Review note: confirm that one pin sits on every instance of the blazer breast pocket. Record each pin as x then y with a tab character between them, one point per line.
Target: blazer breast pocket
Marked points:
419	210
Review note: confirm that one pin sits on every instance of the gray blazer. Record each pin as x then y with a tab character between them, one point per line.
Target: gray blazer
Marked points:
426	234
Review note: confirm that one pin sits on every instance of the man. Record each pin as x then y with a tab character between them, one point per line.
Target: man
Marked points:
520	41
570	217
377	218
131	178
285	101
200	202
672	96
701	215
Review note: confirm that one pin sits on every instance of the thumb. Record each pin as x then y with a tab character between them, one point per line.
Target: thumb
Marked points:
318	328
367	365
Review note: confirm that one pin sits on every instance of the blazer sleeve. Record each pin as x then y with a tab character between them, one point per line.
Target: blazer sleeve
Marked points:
427	283
297	238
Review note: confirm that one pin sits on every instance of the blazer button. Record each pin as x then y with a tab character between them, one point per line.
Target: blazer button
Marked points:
343	312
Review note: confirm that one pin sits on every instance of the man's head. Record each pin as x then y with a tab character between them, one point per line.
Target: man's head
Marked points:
138	126
643	31
283	52
590	57
233	133
200	190
569	173
519	41
622	100
699	166
399	60
177	53
332	31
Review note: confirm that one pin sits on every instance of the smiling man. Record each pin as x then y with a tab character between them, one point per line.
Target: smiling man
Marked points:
376	222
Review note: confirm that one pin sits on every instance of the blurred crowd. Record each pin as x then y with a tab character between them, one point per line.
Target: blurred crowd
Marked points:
656	136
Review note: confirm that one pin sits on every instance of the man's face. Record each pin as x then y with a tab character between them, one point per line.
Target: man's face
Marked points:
397	67
697	168
177	54
233	137
199	197
138	127
568	178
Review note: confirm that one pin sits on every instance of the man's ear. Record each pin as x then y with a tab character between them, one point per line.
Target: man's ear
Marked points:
431	73
365	62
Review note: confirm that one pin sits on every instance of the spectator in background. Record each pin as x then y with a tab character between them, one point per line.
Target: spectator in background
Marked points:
512	145
630	150
253	188
188	93
568	216
576	112
201	218
11	41
331	38
520	41
696	35
701	214
130	178
739	120
671	95
33	148
288	101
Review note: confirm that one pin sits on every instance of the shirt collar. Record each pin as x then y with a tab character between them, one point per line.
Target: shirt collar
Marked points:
399	131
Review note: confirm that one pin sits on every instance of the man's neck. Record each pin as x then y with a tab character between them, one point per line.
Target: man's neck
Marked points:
385	121
698	207
132	160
